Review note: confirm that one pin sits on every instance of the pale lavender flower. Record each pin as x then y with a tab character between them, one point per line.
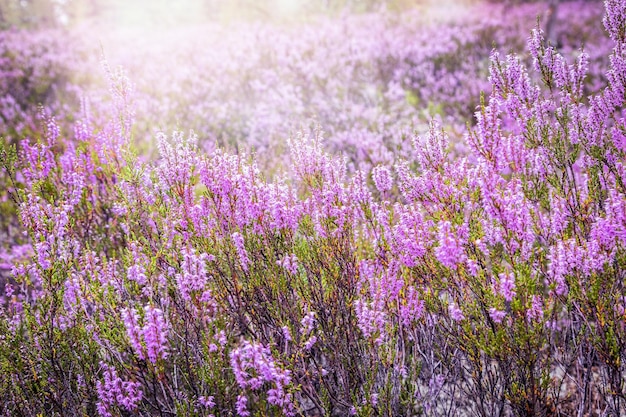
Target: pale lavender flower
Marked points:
290	263
241	250
308	323
455	312
286	333
308	345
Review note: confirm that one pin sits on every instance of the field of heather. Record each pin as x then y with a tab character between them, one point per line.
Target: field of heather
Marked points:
391	210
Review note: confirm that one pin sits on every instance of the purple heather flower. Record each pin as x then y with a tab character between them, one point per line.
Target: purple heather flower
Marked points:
290	263
137	273
413	309
242	406
308	323
507	286
206	402
193	275
450	251
133	330
472	267
371	318
115	391
497	315
382	178
535	312
615	20
8	290
154	334
308	345
241	250
455	312
253	366
286	333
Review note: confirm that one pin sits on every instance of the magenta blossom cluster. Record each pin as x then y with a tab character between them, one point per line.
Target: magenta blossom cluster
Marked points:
253	367
113	391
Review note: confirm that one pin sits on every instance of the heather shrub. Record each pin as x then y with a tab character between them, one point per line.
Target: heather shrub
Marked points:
35	80
195	283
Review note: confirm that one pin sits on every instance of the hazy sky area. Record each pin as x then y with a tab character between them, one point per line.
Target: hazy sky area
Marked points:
168	13
194	8
182	11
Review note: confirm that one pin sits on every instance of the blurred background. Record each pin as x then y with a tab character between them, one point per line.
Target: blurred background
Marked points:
246	74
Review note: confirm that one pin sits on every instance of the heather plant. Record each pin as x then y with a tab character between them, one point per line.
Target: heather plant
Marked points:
35	81
195	283
522	233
